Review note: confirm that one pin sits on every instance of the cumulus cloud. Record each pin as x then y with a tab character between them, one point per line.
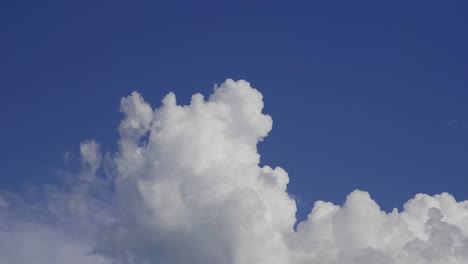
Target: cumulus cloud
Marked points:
186	186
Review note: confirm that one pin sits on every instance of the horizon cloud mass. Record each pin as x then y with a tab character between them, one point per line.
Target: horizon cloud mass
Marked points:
185	186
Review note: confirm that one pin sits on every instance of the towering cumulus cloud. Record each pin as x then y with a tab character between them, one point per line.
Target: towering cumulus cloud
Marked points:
186	187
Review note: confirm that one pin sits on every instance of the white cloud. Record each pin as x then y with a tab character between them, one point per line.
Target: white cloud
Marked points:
42	244
187	188
429	230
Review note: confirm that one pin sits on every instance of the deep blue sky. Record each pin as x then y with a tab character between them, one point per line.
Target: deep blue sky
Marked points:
363	94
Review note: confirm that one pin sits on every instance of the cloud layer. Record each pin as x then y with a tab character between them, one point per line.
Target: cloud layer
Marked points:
186	187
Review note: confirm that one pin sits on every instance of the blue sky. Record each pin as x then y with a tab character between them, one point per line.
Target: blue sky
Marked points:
363	94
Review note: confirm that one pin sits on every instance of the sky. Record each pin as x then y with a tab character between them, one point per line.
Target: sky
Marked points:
363	95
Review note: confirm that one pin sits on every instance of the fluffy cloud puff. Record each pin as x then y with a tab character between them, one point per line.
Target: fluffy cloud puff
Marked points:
186	187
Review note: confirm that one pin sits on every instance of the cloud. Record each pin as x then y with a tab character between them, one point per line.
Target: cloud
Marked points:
185	186
429	230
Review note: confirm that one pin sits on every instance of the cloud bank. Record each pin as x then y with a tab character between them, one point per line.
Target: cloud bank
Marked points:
185	186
